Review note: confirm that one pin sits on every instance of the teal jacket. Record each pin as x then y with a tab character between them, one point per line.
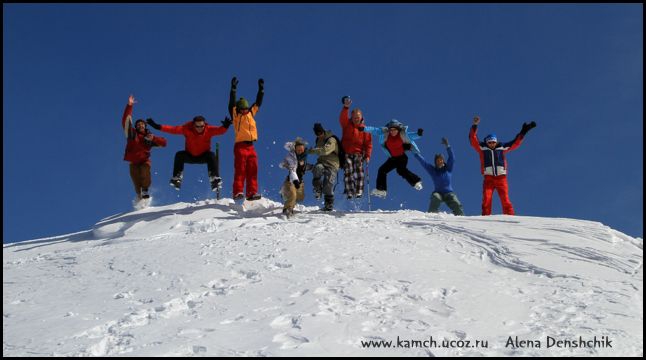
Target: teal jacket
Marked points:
407	137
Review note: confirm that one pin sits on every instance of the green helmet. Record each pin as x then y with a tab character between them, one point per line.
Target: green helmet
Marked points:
242	103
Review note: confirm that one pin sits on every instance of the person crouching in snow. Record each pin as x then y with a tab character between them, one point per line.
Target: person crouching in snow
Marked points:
441	175
395	140
493	165
140	141
245	157
292	190
197	148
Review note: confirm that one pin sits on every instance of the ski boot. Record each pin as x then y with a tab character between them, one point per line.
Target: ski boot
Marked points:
176	182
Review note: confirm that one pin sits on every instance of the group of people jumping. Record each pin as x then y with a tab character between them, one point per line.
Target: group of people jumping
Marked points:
352	152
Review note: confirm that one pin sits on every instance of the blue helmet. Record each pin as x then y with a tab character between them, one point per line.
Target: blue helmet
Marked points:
491	137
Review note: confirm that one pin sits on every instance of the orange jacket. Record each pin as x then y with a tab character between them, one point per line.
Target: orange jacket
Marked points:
245	125
196	144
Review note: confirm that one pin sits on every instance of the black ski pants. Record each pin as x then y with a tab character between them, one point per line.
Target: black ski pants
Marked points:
207	157
399	163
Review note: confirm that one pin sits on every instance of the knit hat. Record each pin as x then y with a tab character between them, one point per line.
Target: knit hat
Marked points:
300	141
242	103
318	128
394	123
491	137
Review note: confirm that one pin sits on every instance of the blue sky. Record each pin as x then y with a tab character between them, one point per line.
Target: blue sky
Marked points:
575	69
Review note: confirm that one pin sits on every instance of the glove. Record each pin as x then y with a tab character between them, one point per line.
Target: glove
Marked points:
361	128
226	122
445	142
297	184
261	84
152	123
234	83
420	131
407	147
346	101
527	127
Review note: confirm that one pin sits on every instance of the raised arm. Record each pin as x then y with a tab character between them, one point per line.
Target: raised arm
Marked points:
514	144
473	134
429	168
344	117
232	95
126	119
451	159
261	92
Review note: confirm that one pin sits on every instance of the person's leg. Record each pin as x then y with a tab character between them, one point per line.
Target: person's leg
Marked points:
240	164
317	184
289	192
134	176
252	171
402	170
144	176
348	178
300	193
436	201
358	170
487	193
453	203
383	171
503	193
178	165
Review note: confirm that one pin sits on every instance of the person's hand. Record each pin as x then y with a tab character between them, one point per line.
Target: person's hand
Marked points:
361	128
476	120
420	132
131	100
152	123
346	101
226	122
445	142
234	83
261	84
527	127
297	184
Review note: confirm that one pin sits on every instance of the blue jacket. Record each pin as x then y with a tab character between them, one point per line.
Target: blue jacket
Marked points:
407	137
441	177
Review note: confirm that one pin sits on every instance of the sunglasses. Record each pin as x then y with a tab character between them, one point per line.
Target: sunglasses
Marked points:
199	126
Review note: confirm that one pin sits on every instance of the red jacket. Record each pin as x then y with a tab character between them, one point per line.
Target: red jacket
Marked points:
196	144
137	147
353	140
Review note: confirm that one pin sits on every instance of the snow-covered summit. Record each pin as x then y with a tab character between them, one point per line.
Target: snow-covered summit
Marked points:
215	278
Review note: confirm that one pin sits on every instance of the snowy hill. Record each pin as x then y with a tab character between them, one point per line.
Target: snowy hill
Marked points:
213	278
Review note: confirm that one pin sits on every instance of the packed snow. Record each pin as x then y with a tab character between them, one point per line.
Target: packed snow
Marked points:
215	278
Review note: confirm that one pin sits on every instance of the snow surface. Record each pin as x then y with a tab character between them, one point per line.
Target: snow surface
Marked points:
215	278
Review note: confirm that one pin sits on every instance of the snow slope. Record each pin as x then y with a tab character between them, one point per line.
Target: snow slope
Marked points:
214	278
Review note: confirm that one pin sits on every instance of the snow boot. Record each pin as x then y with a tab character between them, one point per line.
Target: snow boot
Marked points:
329	203
254	197
144	193
176	182
216	183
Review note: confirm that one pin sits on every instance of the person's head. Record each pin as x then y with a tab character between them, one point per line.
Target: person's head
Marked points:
439	161
199	122
299	146
357	116
319	130
140	125
394	126
491	140
242	106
